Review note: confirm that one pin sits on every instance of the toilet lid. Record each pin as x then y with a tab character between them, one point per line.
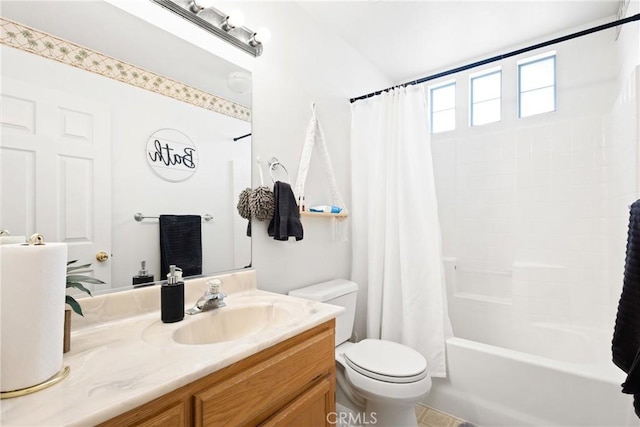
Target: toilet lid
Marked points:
386	361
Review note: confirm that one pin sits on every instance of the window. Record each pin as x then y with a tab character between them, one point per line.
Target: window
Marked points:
443	107
486	92
537	85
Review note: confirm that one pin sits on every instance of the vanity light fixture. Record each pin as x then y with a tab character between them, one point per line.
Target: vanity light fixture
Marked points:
228	27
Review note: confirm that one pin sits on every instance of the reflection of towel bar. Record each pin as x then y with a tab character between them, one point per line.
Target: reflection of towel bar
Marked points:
139	217
494	272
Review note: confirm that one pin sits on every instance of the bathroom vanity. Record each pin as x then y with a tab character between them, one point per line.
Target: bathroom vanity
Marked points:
291	383
268	361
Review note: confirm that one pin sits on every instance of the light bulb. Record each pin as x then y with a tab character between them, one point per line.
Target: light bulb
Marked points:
198	5
263	35
235	19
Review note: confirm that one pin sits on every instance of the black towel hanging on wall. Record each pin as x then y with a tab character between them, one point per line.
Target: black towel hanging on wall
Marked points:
286	219
626	335
181	244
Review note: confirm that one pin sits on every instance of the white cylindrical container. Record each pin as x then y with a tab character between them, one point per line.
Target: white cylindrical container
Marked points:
32	302
10	240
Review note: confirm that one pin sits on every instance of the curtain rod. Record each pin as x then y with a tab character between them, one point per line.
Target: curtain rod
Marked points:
505	55
236	139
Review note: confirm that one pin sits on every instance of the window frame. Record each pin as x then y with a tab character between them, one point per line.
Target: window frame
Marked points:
439	86
479	75
534	60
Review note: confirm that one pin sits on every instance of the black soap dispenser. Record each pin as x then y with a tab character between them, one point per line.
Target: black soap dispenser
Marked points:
143	278
172	296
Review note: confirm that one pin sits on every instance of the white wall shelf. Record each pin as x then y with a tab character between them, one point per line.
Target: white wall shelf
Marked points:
325	214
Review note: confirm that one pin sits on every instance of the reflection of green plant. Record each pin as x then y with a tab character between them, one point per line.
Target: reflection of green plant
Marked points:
75	281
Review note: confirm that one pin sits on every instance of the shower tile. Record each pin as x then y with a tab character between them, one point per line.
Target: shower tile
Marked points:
508	146
541	159
470	177
469	151
584	176
466	197
561	193
549	290
561	139
524	148
561	162
549	310
582	158
539	272
500	182
584	209
491	151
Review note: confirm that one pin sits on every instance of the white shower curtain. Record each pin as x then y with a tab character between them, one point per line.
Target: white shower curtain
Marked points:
397	249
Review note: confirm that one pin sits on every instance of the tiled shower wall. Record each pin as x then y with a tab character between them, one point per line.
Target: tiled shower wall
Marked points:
623	132
534	216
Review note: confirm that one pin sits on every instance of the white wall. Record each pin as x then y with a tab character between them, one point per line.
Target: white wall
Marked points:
304	63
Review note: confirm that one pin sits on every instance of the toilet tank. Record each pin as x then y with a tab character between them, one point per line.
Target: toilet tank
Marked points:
338	292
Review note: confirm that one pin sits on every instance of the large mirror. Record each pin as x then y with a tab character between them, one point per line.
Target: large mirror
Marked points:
135	120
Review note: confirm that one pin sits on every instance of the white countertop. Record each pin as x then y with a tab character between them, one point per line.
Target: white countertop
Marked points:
122	360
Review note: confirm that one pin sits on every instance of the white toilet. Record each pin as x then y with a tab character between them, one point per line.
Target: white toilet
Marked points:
379	381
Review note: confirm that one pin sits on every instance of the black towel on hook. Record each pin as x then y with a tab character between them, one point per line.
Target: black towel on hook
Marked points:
181	244
286	219
625	345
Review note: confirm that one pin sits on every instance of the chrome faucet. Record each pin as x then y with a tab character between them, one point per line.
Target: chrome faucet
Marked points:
211	299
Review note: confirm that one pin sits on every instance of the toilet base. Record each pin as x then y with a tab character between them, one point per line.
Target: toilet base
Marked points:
382	414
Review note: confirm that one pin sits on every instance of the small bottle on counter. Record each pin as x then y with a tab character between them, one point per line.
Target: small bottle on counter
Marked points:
143	277
172	296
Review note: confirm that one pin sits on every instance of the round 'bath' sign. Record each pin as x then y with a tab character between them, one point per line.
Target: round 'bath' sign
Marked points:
172	155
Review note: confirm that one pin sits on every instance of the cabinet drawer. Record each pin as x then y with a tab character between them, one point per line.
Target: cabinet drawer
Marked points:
256	393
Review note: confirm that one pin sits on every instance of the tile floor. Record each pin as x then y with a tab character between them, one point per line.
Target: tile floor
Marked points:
429	417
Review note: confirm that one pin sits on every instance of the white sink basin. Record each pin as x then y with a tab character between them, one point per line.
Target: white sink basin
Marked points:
232	323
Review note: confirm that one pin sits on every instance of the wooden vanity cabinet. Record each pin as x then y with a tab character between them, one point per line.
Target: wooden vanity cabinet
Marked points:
291	383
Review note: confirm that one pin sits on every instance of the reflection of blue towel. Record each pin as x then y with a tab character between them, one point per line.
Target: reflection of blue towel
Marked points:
286	219
626	335
181	244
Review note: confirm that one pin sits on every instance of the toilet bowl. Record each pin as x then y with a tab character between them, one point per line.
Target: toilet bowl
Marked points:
379	381
384	379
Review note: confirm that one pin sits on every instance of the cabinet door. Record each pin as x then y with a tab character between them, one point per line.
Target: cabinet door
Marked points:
254	394
154	414
172	417
311	409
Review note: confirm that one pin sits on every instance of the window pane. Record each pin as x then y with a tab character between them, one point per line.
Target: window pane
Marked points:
443	98
443	121
486	87
537	101
486	112
538	74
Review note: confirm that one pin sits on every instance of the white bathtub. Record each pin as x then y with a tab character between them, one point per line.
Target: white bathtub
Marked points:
493	386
